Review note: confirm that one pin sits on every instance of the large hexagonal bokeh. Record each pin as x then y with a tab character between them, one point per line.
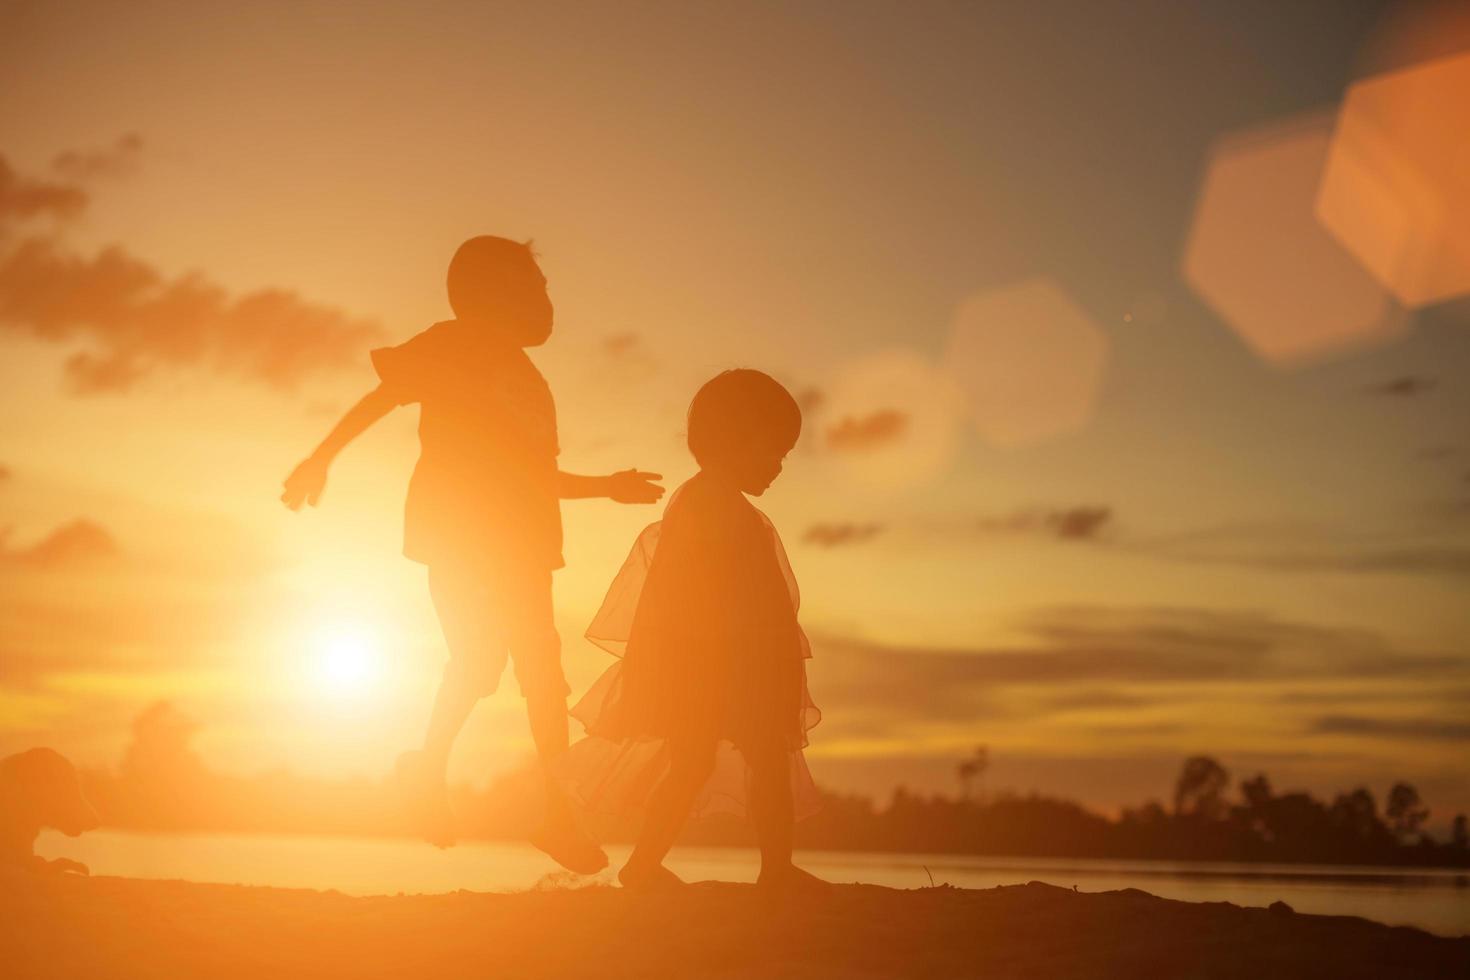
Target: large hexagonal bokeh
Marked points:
1029	361
1395	190
1258	256
893	419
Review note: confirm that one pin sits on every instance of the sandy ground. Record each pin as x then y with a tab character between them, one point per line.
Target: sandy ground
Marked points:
54	926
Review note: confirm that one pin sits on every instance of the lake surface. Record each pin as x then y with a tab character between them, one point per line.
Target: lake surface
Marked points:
1437	901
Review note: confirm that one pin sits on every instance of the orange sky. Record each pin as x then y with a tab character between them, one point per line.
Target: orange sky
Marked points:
1070	490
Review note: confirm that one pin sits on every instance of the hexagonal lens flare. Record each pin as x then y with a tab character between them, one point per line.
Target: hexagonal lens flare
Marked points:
1260	259
1395	190
1029	361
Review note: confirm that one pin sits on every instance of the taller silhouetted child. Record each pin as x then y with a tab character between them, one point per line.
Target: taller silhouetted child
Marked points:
483	515
708	708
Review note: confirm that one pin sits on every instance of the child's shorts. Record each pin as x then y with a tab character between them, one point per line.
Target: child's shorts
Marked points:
488	616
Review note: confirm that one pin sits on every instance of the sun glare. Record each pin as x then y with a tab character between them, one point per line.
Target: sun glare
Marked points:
347	660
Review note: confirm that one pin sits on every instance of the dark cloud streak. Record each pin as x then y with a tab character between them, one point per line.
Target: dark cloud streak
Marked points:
861	433
836	534
1422	729
118	160
1092	649
1403	387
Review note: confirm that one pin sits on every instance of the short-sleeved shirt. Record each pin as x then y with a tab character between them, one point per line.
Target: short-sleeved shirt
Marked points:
484	490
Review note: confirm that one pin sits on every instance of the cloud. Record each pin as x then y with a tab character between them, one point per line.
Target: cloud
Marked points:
1094	649
621	343
125	319
119	159
1403	387
1432	560
832	535
1292	547
1420	729
78	542
1135	673
22	198
1093	699
865	432
1079	523
1084	522
136	321
811	399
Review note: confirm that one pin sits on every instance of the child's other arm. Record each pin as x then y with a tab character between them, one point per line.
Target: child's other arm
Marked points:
309	478
626	487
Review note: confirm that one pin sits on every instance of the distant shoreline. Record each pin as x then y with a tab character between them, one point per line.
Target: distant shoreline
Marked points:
736	840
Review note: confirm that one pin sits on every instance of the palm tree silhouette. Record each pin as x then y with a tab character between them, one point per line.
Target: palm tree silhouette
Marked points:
972	769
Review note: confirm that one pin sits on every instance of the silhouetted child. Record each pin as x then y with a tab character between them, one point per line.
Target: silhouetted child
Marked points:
708	708
483	515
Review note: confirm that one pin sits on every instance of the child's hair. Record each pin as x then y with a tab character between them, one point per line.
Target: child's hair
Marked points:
480	265
741	411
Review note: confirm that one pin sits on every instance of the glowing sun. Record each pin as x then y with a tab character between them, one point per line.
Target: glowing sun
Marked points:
347	660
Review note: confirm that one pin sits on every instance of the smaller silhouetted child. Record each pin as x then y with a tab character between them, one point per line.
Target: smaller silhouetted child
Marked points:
483	515
708	708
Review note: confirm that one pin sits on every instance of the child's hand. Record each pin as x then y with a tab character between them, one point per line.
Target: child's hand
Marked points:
634	487
306	483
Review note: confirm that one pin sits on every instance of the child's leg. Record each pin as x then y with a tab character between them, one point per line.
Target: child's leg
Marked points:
773	813
453	703
771	808
536	649
547	714
477	654
690	763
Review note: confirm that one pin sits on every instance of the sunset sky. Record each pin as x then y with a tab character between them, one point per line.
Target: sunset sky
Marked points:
1136	417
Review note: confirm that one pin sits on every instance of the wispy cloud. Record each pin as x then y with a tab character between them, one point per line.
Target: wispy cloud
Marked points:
1406	386
860	433
124	318
1420	729
619	344
79	541
1087	653
23	198
118	160
835	534
1289	551
1084	522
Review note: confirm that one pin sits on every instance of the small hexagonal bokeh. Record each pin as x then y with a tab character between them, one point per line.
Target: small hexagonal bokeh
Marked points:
1395	190
1260	259
1028	360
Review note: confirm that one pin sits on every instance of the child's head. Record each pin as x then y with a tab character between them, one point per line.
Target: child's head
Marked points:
497	282
742	423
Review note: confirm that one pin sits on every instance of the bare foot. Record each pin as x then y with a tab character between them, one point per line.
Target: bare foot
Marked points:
425	798
790	878
642	878
566	843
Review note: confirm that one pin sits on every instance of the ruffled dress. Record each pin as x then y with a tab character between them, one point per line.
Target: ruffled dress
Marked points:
702	617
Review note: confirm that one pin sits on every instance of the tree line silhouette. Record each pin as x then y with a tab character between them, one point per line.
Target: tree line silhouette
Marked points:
163	785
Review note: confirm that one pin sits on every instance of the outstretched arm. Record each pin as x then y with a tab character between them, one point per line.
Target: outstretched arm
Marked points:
309	478
626	487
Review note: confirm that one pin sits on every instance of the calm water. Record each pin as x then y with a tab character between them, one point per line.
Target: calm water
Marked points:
1438	901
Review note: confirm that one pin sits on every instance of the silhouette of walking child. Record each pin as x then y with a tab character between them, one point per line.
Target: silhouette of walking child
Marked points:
708	706
483	515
